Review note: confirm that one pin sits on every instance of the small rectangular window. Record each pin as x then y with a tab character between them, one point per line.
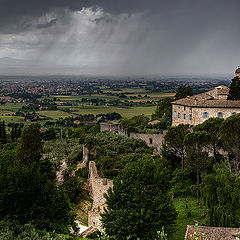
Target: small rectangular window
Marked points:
184	108
220	114
175	115
184	116
179	115
190	117
205	115
150	140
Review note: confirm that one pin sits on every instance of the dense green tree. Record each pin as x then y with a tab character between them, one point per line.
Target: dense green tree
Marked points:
135	122
28	192
139	204
212	126
16	130
175	140
30	145
183	91
12	230
49	134
3	134
162	125
164	109
197	158
221	193
234	92
230	137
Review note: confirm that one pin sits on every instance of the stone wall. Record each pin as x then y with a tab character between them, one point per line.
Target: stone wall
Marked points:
84	162
197	114
152	140
97	187
113	127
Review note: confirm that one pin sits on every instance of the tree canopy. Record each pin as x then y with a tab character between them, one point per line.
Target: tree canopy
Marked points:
175	140
234	92
230	136
164	109
139	204
212	127
28	192
221	193
183	91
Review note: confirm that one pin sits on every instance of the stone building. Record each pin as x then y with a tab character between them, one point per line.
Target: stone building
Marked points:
152	140
237	73
196	109
112	127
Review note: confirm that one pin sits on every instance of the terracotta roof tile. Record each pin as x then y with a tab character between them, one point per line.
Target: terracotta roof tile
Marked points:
214	233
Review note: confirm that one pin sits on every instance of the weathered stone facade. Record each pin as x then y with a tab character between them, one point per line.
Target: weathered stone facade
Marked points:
198	108
97	187
152	140
113	127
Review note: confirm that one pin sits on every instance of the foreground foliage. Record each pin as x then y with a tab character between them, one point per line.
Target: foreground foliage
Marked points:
139	204
221	193
28	192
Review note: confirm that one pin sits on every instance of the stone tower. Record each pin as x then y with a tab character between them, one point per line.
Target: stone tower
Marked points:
237	73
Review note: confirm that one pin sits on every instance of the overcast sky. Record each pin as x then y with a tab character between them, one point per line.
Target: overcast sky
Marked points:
120	36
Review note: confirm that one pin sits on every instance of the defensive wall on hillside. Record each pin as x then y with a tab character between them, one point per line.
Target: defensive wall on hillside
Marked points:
152	140
97	187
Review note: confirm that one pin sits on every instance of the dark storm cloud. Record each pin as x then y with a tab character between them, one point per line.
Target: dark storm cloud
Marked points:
12	11
150	36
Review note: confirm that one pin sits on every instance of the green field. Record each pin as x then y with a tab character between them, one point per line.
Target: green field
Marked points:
54	114
79	98
11	107
125	90
8	119
153	96
125	112
8	109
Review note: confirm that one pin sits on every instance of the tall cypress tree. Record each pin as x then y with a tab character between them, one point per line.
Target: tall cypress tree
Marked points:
234	92
4	135
13	133
1	132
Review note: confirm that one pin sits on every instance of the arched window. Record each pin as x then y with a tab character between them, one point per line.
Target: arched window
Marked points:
220	114
175	114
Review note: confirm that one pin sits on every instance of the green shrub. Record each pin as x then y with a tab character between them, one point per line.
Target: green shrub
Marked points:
82	172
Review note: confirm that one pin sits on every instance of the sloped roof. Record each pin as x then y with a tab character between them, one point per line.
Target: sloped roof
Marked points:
209	99
214	233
